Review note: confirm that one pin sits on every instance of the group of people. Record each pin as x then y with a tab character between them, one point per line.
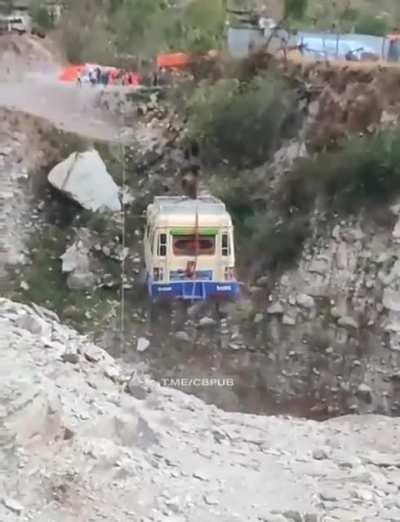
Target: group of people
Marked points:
110	76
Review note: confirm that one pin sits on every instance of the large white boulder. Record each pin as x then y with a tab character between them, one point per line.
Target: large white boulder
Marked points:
84	178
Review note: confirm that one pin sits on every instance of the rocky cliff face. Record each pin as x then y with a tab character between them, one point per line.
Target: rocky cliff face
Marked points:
319	339
332	322
80	439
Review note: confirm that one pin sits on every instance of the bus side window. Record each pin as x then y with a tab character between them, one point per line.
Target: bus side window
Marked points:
225	244
151	240
162	245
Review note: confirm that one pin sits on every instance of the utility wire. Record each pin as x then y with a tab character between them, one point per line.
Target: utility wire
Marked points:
123	232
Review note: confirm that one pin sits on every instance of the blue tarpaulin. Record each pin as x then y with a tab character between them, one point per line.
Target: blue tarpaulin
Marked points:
331	46
314	45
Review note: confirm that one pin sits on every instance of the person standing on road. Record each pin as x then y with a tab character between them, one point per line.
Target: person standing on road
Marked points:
97	74
92	77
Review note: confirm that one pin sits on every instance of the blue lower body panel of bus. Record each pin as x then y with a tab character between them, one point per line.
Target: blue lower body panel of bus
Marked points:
194	290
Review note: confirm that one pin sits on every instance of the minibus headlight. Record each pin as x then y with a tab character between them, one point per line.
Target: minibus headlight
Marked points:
158	274
229	273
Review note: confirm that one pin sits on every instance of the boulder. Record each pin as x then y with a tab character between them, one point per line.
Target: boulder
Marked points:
84	178
347	322
275	309
81	281
364	393
305	301
75	258
76	262
142	344
391	300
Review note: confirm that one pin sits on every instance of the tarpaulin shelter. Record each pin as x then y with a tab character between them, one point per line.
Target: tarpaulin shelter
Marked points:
71	73
334	46
173	60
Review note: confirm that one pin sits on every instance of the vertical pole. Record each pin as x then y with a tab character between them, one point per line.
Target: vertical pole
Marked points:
123	233
337	45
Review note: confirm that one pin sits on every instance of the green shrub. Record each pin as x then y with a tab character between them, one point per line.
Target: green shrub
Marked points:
276	240
271	227
295	8
41	16
366	171
243	192
372	25
269	237
241	123
46	284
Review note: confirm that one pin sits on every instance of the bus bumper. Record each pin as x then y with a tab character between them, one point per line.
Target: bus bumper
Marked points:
194	290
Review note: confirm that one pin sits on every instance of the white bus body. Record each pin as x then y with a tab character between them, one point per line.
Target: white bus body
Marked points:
189	249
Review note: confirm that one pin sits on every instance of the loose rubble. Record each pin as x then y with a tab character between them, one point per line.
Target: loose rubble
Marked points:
76	446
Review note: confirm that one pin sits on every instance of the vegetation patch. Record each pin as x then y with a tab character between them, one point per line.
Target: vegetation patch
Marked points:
45	284
242	122
364	172
273	224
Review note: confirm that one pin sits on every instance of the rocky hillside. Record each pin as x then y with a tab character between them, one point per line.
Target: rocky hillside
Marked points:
81	438
315	332
316	337
105	433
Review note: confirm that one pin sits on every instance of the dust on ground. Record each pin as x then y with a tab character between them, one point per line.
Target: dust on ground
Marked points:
29	83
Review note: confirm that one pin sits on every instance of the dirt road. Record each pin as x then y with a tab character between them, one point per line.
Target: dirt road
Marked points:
29	70
68	107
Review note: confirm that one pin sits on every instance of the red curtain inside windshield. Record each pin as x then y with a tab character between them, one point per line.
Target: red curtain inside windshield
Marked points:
186	245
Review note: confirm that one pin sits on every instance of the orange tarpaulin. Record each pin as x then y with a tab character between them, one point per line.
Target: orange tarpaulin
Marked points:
173	60
71	73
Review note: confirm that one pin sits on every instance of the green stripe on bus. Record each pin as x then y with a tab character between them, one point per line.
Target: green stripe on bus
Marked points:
189	232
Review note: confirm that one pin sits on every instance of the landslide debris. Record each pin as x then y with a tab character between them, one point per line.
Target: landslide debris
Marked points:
81	438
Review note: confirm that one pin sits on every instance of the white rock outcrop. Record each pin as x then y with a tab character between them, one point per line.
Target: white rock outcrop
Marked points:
84	178
76	262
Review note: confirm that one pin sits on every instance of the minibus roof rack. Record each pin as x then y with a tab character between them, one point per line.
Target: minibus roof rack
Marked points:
182	204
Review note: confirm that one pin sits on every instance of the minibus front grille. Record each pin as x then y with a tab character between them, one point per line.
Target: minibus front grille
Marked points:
181	275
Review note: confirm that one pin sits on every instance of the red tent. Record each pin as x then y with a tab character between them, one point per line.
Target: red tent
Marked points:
173	60
71	73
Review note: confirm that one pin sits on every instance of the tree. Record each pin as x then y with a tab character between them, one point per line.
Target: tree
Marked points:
295	9
143	28
203	22
134	25
373	25
7	6
41	15
84	32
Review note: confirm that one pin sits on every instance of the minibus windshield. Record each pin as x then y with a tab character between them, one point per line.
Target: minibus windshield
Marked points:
189	245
